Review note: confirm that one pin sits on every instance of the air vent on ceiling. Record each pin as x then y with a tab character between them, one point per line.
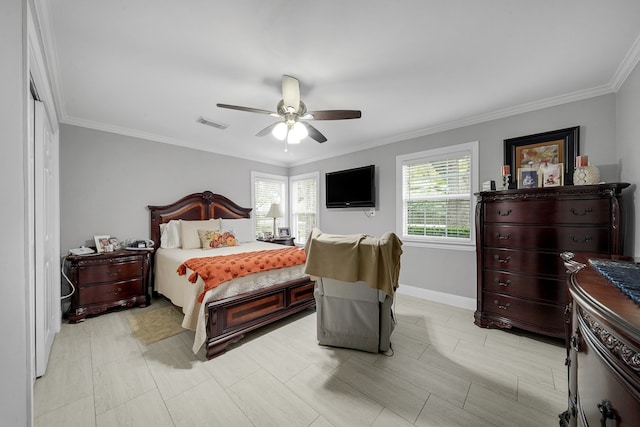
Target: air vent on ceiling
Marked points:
211	123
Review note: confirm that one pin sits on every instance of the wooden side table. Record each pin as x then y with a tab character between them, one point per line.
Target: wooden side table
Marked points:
287	241
104	281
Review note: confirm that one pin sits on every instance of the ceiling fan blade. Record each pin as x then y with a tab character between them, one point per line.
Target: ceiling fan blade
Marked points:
291	92
335	114
314	133
248	109
268	129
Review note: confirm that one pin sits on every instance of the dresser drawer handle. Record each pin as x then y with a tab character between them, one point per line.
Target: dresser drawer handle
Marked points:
507	213
114	273
606	412
585	240
501	237
501	283
575	342
501	307
502	260
584	212
116	292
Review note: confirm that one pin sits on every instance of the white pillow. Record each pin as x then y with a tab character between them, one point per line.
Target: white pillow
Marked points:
241	228
170	234
189	231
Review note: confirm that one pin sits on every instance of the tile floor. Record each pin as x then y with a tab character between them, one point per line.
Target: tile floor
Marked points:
445	372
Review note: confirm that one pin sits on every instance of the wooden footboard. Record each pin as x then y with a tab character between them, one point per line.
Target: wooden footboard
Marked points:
230	318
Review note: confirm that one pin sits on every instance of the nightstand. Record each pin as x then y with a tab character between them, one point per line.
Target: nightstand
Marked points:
287	241
104	281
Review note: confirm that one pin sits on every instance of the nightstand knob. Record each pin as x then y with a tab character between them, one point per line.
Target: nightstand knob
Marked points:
116	292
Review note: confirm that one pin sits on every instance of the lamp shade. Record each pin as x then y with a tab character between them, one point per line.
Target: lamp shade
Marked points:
274	211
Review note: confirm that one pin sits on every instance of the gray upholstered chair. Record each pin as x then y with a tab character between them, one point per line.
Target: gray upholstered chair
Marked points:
353	315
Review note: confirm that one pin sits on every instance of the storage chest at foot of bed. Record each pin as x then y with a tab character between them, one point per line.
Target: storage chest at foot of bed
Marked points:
229	319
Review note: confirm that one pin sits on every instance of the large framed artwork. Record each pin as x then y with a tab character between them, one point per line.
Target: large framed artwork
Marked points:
554	147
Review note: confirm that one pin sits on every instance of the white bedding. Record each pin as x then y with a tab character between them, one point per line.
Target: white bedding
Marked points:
185	294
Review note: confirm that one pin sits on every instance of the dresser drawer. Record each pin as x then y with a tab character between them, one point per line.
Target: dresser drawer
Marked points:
535	263
110	272
527	287
111	292
590	211
539	314
565	238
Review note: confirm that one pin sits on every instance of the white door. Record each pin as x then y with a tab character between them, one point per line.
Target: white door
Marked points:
48	311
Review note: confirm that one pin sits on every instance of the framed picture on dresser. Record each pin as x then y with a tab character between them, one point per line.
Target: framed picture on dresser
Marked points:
554	147
551	175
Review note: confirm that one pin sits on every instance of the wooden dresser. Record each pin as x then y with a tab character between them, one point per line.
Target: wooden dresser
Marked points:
116	279
603	352
519	237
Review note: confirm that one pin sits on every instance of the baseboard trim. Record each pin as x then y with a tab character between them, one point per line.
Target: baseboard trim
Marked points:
435	296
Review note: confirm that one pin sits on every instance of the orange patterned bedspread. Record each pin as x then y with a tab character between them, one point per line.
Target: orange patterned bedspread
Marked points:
219	269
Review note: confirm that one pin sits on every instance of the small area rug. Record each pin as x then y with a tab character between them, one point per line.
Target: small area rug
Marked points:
156	325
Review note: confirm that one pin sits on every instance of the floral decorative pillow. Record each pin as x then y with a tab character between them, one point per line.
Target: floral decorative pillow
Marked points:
212	239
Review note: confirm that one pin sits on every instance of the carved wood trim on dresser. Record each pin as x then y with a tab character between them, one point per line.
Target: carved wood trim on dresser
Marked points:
603	352
519	237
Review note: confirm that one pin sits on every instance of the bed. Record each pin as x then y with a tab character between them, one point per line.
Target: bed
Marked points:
230	310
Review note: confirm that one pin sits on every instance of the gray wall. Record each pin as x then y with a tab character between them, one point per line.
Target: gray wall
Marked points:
628	133
454	271
16	383
107	180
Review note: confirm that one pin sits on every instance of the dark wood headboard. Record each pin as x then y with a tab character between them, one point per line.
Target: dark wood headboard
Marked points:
196	206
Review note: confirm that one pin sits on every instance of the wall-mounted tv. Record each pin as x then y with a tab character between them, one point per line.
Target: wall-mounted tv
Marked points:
351	188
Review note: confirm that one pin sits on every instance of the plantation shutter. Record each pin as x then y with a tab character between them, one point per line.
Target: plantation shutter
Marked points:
304	206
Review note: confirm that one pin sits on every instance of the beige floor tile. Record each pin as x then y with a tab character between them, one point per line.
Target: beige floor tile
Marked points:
174	367
147	409
543	398
279	360
80	413
66	381
505	412
231	367
206	405
396	394
118	382
487	375
428	377
470	376
267	402
334	399
440	413
389	419
321	422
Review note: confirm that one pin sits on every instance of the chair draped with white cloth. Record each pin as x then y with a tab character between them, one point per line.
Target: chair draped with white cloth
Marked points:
356	278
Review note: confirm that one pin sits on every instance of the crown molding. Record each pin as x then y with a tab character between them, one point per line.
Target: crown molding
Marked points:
626	66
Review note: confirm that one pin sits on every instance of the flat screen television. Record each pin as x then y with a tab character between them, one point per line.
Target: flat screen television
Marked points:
351	188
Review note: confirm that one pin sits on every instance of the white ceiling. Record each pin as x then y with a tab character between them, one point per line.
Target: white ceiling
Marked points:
150	68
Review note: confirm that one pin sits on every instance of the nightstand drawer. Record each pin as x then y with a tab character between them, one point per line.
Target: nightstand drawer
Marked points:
111	292
110	272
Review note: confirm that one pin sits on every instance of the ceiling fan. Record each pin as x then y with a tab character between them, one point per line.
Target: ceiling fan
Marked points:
293	112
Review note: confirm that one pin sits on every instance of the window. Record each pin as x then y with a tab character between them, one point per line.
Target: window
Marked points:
435	195
268	189
304	205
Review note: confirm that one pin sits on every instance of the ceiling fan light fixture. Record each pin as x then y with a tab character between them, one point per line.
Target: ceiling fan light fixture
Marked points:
280	131
299	131
292	138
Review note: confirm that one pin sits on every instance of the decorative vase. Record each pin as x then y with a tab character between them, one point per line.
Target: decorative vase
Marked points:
586	175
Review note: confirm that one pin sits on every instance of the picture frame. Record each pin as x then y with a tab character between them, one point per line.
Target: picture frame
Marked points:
552	175
528	178
557	146
102	243
268	235
284	232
